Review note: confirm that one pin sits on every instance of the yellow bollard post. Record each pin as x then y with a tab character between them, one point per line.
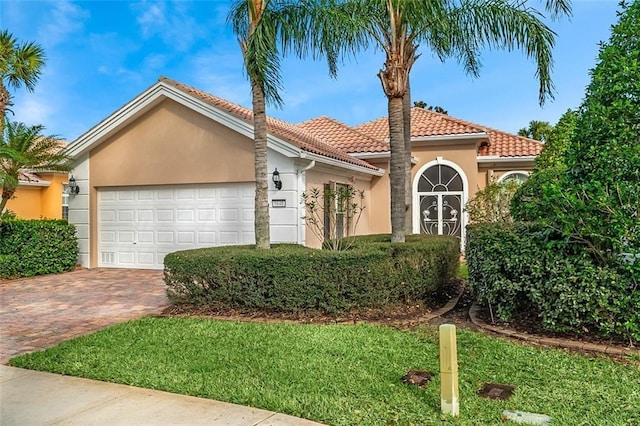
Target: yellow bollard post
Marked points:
449	401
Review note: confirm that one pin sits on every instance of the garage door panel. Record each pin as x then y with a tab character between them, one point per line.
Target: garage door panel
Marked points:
206	215
206	237
107	216
165	215
206	193
145	216
138	227
186	237
186	215
228	215
125	215
146	258
126	196
145	237
229	237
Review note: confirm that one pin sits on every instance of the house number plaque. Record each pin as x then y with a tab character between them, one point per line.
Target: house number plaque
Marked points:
278	203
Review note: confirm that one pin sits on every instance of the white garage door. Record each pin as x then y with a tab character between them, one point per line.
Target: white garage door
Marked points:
138	226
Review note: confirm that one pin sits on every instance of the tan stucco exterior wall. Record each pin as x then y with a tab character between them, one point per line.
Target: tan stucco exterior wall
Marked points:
463	154
172	144
319	176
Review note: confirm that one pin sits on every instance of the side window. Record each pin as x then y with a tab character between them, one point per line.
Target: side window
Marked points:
336	203
514	176
65	201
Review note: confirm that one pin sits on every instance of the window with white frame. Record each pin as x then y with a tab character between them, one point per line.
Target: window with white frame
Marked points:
65	201
519	176
336	204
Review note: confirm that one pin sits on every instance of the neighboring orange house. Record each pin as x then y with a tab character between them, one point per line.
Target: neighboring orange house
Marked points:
173	169
40	195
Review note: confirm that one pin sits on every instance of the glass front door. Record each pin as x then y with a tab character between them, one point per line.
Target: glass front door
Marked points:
440	194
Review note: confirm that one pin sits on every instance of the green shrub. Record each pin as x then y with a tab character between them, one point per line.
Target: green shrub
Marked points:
36	247
491	204
290	278
529	270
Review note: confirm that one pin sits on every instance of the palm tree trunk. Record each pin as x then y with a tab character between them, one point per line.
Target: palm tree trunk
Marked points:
260	163
5	101
7	194
397	166
408	201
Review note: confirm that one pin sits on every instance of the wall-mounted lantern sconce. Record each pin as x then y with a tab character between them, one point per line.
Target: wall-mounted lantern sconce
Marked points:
73	186
276	179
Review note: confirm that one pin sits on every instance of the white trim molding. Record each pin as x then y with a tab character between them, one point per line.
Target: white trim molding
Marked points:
496	159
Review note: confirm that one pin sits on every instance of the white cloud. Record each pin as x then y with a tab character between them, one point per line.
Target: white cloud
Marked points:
171	22
65	19
152	18
33	110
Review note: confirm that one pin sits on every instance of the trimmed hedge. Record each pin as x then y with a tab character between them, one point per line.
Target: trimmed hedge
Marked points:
37	247
293	278
526	269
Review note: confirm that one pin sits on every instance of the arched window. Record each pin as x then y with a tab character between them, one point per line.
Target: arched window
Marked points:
439	197
519	176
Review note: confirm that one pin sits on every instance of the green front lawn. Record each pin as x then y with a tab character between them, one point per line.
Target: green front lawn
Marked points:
346	375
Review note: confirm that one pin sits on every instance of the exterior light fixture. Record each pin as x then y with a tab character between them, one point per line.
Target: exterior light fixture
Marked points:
276	179
73	186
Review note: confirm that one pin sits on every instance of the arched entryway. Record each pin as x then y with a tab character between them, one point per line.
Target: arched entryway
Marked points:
440	191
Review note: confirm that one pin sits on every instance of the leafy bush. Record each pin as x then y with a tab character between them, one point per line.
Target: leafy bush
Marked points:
36	247
528	269
541	197
492	204
290	278
591	191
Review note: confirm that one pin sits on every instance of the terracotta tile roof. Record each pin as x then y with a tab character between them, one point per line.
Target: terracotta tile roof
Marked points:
505	144
428	123
28	176
342	136
289	132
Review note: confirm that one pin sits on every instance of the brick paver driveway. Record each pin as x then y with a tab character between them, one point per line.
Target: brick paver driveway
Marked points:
39	312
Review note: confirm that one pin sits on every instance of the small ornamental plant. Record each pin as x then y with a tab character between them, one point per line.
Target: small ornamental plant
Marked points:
333	214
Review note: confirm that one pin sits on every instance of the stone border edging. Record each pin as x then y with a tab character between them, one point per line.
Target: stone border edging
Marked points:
445	309
550	341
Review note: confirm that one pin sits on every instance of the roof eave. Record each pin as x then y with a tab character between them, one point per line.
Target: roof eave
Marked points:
370	155
502	159
453	137
338	163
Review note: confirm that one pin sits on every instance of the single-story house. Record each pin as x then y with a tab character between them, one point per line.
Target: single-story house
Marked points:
173	169
40	195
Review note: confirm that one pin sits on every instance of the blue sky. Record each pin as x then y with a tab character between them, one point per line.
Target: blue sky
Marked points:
101	54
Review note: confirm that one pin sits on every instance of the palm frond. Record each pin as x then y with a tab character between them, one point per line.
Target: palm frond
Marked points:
20	63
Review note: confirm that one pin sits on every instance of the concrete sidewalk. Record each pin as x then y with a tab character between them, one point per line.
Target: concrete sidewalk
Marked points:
35	398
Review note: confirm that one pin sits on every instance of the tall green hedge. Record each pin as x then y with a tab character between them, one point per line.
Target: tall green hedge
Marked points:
530	270
36	247
290	278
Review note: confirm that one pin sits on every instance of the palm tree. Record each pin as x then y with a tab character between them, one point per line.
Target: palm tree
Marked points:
20	65
24	147
538	130
261	27
449	28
